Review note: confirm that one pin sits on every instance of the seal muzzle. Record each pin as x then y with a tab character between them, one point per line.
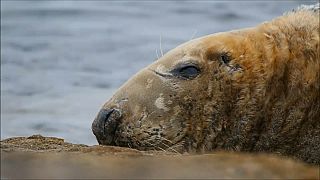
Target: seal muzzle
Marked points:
105	125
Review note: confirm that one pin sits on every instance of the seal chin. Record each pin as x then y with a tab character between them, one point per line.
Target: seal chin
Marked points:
105	125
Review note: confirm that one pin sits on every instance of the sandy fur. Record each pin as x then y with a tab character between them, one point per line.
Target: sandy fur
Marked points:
266	99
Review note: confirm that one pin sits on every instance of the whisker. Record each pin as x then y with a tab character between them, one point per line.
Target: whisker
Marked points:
178	145
161	47
156	146
167	140
157	53
170	148
194	33
147	142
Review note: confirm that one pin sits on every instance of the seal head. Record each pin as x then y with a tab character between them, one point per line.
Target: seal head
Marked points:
254	89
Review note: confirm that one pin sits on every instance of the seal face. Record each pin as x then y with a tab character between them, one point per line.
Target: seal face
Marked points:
255	89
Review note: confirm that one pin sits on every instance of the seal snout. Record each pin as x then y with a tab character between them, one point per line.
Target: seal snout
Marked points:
105	125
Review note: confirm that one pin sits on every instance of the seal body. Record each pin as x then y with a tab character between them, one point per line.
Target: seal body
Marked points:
254	89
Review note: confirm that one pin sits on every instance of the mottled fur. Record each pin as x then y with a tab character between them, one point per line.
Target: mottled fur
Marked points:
266	99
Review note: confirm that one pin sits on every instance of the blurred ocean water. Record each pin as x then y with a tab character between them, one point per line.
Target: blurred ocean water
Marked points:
61	60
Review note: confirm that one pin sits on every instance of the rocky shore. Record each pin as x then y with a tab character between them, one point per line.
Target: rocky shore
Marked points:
50	157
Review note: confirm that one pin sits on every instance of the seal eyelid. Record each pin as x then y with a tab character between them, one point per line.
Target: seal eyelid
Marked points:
186	71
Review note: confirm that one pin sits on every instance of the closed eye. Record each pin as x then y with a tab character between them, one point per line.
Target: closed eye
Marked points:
186	71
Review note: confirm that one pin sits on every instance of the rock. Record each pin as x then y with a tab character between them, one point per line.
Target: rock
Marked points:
49	157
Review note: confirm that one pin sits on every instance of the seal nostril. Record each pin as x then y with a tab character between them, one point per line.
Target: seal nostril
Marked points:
105	125
105	117
111	121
